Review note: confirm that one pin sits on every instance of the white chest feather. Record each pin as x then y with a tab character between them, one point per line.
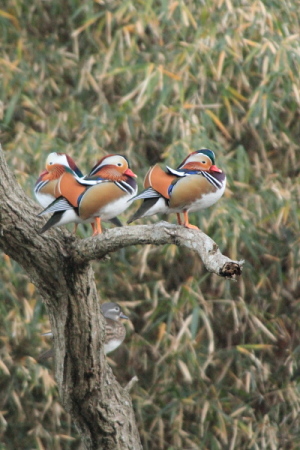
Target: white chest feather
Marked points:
70	216
111	346
114	208
160	207
207	200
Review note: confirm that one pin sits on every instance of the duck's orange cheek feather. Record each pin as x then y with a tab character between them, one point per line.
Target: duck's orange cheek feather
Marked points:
196	166
111	173
55	170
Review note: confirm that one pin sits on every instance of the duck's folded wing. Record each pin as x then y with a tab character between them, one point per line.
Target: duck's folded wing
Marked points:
59	204
146	208
147	193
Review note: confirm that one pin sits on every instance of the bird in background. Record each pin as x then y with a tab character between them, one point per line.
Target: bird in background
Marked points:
115	331
45	189
197	183
101	195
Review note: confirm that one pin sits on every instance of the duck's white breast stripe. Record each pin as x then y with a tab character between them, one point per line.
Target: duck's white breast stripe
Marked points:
216	183
40	185
125	187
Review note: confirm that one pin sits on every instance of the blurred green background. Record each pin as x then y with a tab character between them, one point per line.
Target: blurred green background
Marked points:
217	361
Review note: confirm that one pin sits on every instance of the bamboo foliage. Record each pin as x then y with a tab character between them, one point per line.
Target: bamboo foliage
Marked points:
217	361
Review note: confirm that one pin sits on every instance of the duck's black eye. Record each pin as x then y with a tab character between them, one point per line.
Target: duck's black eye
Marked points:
203	162
50	163
119	164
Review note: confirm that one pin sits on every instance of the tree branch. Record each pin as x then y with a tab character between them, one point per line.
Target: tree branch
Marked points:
158	234
59	265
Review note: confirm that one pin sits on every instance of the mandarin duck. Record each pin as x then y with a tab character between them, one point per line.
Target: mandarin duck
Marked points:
115	331
196	184
106	192
56	166
60	169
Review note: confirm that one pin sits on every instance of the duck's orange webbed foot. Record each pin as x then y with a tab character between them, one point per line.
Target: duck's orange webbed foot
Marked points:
192	227
187	224
97	227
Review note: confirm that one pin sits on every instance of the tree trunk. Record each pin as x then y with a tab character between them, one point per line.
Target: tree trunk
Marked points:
100	407
59	265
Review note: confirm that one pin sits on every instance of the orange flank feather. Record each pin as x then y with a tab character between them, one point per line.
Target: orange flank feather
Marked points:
159	180
188	191
97	198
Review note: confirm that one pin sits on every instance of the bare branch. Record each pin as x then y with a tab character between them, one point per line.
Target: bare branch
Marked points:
59	265
131	383
158	234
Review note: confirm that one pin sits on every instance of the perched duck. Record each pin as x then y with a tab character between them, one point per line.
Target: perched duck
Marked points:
196	184
115	331
62	175
101	195
56	165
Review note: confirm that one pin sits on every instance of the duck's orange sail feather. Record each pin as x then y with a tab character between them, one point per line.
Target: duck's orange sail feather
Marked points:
69	188
159	180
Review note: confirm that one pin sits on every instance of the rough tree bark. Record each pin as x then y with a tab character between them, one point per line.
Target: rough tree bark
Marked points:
58	263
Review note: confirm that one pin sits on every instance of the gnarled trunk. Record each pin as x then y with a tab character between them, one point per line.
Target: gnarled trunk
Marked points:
59	265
